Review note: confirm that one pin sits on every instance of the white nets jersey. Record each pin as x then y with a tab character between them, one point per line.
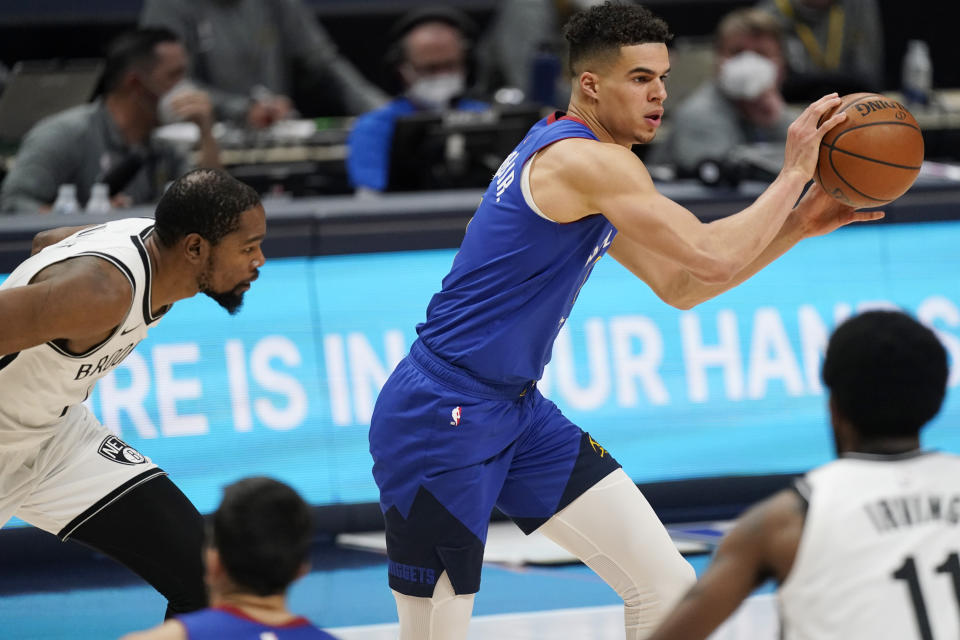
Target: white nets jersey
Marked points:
39	384
879	556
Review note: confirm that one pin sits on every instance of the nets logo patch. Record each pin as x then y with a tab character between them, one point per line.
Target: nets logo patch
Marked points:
115	449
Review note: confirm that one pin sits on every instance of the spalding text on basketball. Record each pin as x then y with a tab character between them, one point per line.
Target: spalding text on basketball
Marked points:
866	108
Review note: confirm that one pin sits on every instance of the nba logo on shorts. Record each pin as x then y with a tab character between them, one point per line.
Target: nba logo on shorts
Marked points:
115	449
455	414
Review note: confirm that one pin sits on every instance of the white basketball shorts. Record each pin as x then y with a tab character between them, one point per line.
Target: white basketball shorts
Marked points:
79	470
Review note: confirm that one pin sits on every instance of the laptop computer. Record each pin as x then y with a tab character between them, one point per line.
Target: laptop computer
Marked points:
37	89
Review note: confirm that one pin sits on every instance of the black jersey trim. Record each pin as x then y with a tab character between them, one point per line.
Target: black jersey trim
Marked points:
886	457
803	490
108	499
138	242
7	359
62	350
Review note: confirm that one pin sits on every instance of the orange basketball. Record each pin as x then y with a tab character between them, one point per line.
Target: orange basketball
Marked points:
874	155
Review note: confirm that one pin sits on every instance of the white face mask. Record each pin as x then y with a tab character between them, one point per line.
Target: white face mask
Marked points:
747	75
436	91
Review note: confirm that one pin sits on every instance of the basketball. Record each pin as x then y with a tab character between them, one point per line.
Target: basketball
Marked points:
873	156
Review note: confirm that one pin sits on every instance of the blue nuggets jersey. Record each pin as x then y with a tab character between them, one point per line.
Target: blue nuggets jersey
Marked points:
516	276
227	622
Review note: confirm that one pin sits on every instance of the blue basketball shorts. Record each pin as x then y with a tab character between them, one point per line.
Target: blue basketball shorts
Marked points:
447	448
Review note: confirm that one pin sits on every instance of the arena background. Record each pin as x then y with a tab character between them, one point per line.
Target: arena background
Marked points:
43	29
708	410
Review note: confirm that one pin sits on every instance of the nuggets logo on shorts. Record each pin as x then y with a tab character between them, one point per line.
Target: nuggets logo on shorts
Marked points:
410	573
115	449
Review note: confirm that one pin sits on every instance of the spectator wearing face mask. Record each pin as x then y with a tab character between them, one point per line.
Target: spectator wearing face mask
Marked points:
254	55
742	104
110	140
429	53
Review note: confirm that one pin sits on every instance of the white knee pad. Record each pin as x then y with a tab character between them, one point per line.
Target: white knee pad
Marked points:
614	531
444	616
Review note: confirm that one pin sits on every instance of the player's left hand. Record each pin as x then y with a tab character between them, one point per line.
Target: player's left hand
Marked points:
819	213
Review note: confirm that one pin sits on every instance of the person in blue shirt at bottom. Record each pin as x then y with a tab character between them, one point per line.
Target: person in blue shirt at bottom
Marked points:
258	544
460	426
430	51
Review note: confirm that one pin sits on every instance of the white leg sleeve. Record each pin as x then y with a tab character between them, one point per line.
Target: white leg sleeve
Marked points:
615	532
445	616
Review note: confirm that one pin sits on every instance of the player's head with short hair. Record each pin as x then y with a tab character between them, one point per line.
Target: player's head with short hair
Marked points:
886	372
207	202
596	35
262	532
215	223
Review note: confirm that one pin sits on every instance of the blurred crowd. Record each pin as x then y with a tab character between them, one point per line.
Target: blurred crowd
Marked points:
251	66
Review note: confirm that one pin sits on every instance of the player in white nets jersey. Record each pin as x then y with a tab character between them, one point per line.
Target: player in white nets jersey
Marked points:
866	547
69	315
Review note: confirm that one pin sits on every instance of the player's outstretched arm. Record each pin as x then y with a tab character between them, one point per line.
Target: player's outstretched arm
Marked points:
576	177
761	545
817	214
81	300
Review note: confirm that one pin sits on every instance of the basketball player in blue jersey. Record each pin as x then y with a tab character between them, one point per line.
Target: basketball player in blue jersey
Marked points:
866	546
70	314
258	544
460	426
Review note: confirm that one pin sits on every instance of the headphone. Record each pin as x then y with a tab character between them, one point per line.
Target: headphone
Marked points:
394	56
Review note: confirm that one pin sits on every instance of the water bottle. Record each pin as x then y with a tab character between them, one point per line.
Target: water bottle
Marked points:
99	201
917	73
66	202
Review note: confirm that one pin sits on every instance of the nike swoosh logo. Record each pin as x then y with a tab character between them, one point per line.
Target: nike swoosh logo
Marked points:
123	333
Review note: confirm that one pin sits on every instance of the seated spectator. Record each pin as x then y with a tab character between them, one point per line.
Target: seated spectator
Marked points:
429	52
247	53
109	140
258	544
830	45
741	105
